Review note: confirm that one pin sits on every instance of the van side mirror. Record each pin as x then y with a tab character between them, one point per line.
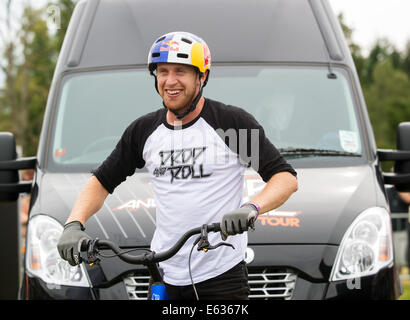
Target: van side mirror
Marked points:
403	143
7	177
401	176
10	187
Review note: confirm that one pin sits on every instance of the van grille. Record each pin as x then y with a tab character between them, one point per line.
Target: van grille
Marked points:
137	285
265	283
271	283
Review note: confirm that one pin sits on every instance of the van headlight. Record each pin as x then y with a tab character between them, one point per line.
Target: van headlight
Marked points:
367	246
43	259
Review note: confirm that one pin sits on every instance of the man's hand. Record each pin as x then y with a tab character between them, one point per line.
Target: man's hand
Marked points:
238	221
70	241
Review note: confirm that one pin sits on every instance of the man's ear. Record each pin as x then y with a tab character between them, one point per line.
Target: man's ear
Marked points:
203	76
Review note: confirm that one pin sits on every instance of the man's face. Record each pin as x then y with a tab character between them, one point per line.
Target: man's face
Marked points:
178	85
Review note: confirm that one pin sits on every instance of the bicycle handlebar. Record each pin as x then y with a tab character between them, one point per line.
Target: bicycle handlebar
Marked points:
150	257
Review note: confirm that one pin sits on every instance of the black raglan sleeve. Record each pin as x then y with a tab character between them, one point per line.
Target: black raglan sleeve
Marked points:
127	155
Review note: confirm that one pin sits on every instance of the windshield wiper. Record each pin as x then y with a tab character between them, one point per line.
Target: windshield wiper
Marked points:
325	152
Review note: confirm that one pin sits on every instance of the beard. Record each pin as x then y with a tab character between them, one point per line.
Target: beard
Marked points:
179	107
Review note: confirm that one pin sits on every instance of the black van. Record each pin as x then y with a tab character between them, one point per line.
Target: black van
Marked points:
285	62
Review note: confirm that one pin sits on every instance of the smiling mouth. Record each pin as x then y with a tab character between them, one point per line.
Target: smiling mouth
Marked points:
173	93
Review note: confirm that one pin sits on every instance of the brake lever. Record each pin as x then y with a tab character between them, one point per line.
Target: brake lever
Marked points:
204	244
251	224
221	244
92	253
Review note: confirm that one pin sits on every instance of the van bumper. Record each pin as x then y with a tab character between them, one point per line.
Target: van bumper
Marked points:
385	285
33	288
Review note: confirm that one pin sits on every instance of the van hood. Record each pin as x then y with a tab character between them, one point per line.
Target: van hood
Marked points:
327	201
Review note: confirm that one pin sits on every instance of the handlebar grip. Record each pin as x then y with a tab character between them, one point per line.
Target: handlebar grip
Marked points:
84	245
215	227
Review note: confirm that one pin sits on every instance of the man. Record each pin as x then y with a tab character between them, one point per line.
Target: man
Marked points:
196	154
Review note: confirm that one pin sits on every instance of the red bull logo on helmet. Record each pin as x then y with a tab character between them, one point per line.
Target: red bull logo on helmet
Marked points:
170	45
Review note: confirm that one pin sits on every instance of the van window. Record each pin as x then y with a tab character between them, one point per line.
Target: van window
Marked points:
94	108
299	108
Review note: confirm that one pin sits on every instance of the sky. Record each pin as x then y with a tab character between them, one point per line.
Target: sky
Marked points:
370	20
373	19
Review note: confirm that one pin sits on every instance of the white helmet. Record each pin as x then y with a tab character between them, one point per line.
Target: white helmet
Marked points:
185	48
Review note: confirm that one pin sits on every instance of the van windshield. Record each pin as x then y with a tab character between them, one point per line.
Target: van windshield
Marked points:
302	111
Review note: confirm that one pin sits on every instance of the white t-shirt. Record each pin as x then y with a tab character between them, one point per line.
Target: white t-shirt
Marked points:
197	174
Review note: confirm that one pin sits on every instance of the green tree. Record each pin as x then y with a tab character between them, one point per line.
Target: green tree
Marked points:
27	81
38	66
384	76
11	114
29	73
66	10
382	50
406	59
388	102
355	49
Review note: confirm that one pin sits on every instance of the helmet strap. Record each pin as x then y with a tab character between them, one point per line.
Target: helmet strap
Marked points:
156	81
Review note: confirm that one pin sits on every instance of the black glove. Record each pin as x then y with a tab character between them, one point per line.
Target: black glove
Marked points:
70	241
238	221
